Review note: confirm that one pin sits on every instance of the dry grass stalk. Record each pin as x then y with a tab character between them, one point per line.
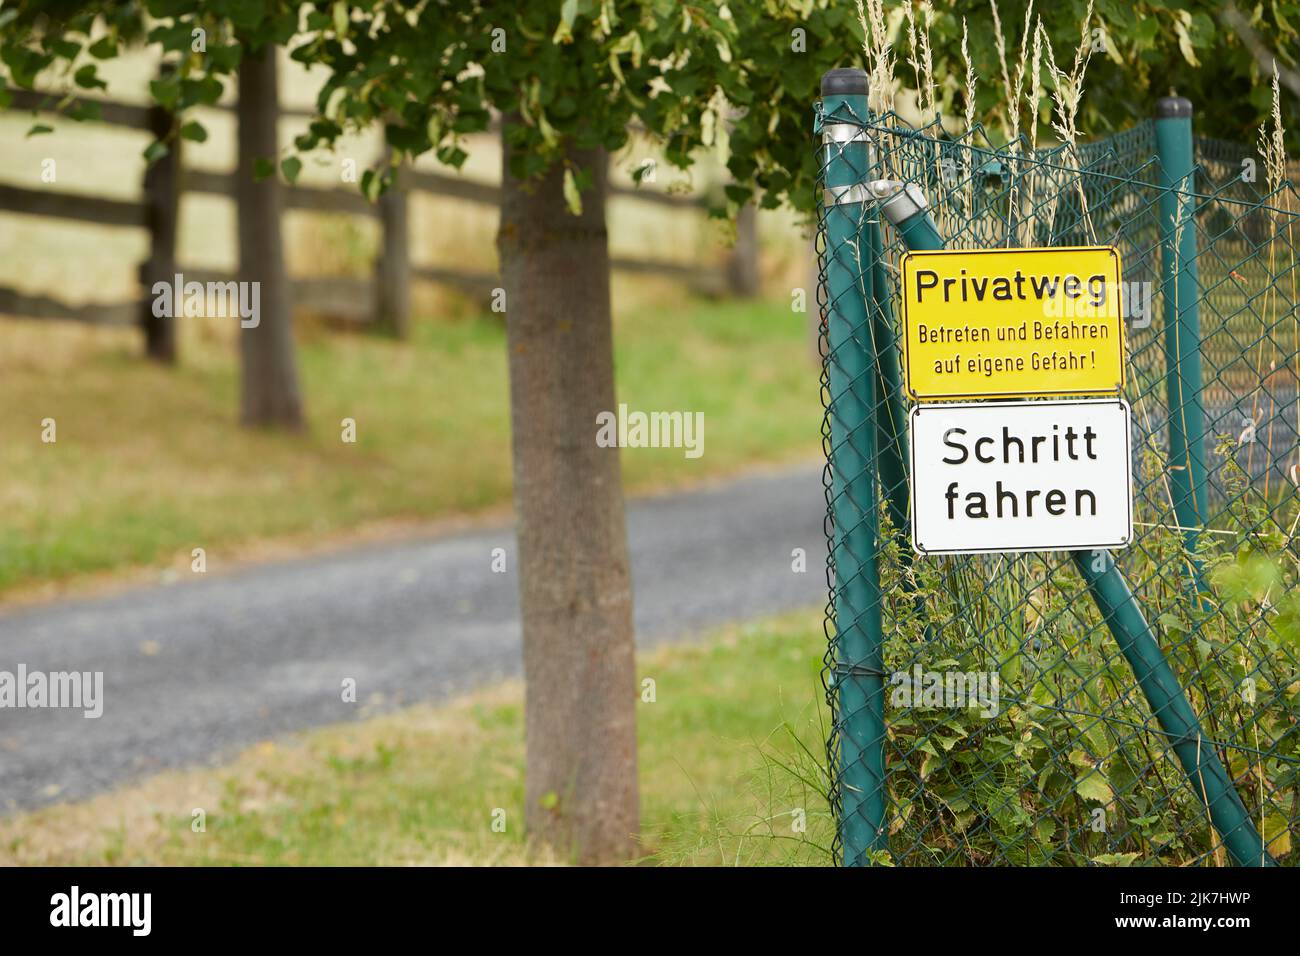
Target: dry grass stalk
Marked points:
1069	86
1067	93
911	51
1001	45
921	59
1034	95
880	74
1272	149
970	79
880	60
1012	89
927	99
927	62
1271	146
968	192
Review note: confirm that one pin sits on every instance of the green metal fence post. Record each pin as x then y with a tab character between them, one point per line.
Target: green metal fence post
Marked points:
905	207
891	423
1181	291
858	676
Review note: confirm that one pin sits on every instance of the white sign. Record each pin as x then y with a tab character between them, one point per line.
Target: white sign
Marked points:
1021	476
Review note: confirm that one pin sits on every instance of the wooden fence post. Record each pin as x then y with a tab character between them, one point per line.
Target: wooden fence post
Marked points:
393	264
161	215
270	392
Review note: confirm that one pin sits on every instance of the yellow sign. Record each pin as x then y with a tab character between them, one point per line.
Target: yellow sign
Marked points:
1012	323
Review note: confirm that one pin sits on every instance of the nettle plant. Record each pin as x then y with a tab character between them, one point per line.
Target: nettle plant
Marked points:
1070	771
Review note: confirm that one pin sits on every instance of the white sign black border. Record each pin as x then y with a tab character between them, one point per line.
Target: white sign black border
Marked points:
1128	467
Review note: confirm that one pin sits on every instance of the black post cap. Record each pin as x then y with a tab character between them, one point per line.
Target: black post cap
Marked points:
844	81
1173	107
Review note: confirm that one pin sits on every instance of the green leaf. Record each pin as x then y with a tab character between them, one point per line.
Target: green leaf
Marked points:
549	800
105	48
572	198
193	130
568	13
66	49
1096	735
1172	623
1114	859
737	193
263	168
1277	834
1250	577
291	167
38	129
1185	47
86	79
155	151
1094	787
341	18
166	90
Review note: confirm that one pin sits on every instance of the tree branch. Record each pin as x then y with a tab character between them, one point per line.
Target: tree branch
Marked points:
1234	20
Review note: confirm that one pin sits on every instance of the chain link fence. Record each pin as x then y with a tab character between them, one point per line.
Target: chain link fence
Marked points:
1137	707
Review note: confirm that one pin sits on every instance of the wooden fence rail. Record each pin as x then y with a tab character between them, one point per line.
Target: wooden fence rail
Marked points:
384	298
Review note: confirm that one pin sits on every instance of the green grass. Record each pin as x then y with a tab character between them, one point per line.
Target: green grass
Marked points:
149	463
723	770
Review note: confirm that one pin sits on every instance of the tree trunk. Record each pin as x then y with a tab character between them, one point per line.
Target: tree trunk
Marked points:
575	581
269	388
162	206
743	277
393	267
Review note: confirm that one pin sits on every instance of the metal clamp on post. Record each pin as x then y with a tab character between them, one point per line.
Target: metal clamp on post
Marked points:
907	209
835	132
839	195
836	135
898	201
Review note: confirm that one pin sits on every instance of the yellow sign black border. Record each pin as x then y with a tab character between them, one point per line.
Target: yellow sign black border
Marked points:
980	396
